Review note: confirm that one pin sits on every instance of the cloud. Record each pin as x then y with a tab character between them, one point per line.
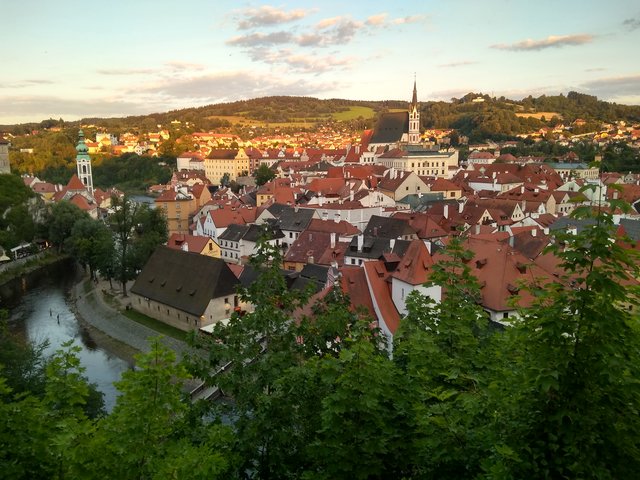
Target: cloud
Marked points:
595	69
254	39
376	20
549	42
461	63
224	87
125	71
631	24
27	83
268	15
34	108
614	87
178	65
408	19
333	31
300	62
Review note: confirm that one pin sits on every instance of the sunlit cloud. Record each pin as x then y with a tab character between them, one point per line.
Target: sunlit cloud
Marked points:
376	20
614	87
268	15
553	41
408	19
125	71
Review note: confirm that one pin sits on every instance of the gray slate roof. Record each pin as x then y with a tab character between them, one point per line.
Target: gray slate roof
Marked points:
387	227
390	127
234	232
184	280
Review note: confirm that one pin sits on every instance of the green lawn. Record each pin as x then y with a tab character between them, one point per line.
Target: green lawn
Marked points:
159	327
353	113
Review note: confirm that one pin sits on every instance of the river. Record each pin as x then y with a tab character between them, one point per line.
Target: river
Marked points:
43	314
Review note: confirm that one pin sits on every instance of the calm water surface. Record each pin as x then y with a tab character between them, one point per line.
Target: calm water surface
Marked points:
44	314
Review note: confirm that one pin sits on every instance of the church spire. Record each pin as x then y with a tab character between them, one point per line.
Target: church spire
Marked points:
414	117
414	100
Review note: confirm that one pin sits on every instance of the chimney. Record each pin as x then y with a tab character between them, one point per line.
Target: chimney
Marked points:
333	239
351	196
325	216
534	232
295	208
310	259
360	242
392	244
477	229
446	211
512	241
336	217
522	189
460	207
185	246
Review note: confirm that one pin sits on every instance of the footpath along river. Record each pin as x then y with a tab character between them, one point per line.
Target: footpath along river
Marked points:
58	308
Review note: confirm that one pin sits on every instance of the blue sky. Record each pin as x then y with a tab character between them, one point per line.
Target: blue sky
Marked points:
74	59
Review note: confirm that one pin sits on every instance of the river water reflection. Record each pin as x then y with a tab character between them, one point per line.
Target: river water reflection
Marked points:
44	314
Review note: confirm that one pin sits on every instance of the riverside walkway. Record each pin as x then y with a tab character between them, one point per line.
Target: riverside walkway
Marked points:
93	310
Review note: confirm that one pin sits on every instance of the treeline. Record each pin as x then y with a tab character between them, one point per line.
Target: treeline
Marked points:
314	393
496	118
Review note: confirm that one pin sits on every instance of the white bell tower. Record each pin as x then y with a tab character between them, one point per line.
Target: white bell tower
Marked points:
83	162
414	118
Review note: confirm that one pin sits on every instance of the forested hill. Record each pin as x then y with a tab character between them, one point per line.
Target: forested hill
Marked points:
476	115
481	116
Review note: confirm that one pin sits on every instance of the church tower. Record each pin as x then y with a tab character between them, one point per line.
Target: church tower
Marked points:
414	118
83	161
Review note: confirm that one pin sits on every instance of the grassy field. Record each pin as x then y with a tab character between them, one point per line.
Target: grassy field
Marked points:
353	113
538	115
350	114
159	327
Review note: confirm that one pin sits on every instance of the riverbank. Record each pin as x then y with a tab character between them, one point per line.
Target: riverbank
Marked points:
111	329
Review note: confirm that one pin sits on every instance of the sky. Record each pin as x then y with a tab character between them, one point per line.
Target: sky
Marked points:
72	59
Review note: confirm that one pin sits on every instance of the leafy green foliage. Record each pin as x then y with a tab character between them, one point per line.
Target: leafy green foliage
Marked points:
572	392
91	244
61	219
138	230
263	174
16	222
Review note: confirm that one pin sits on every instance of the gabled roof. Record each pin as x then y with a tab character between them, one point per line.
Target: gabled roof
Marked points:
415	267
380	290
353	282
340	228
184	280
294	219
388	227
196	244
75	183
390	127
234	233
309	245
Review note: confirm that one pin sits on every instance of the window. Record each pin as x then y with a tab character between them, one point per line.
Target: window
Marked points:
407	189
505	315
353	261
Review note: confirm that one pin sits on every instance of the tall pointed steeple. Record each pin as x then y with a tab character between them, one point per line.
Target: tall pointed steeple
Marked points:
414	100
414	118
83	162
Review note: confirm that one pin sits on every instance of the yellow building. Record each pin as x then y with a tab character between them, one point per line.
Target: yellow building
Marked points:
220	161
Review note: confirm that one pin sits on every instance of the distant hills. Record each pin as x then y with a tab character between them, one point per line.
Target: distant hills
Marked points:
476	115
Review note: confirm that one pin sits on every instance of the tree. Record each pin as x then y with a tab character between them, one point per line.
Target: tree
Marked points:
61	220
224	181
150	433
570	398
91	243
138	230
443	351
264	174
260	346
123	222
